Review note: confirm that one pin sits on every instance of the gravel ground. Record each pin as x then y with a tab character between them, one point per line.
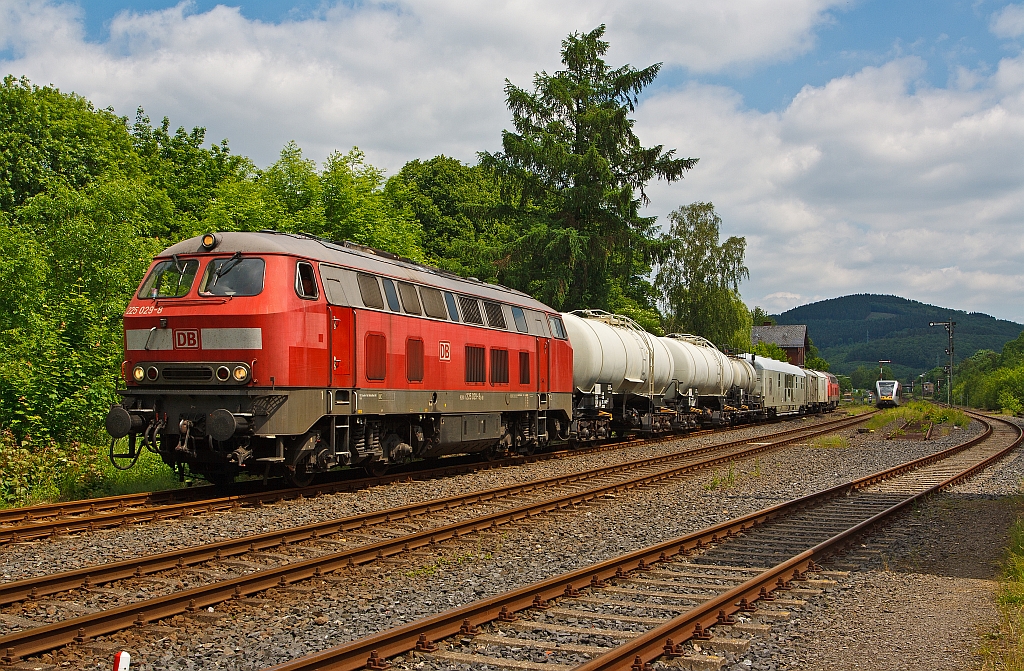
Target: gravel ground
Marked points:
290	622
918	594
22	560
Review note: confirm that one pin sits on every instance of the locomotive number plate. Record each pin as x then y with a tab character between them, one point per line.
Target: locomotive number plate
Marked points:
444	350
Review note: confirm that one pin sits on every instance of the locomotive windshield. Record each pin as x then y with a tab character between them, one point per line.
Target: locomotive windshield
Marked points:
233	276
170	279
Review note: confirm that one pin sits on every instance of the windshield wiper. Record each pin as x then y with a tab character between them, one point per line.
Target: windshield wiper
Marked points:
226	267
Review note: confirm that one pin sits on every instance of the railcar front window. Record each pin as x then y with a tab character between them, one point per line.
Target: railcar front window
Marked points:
170	279
233	276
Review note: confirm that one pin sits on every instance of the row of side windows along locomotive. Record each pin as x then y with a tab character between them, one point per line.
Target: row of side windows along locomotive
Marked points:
290	353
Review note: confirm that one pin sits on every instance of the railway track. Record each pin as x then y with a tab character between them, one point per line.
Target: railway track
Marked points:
397	533
704	589
54	519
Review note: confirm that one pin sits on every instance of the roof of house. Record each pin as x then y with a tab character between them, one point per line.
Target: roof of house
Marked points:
788	335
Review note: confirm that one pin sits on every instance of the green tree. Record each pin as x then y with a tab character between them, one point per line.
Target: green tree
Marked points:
457	206
699	278
49	137
572	175
769	350
759	317
813	359
183	168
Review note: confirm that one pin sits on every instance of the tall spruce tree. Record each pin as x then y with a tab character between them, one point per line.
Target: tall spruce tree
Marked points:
572	176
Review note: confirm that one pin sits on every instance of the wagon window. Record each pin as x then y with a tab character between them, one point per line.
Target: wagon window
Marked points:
414	359
433	303
392	294
453	311
475	364
369	291
170	279
233	276
524	368
470	311
495	317
499	366
305	280
376	356
409	298
520	318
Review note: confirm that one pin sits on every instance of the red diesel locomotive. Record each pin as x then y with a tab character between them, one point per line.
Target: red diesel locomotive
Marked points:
283	353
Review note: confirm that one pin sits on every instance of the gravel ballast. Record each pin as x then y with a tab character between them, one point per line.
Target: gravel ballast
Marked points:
354	603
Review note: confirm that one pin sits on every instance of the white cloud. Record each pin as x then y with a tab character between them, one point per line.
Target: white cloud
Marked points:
401	79
872	182
1008	22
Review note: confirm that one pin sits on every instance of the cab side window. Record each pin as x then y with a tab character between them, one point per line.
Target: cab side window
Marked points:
305	281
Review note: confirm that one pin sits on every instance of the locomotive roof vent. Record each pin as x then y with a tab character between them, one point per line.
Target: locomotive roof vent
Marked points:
209	241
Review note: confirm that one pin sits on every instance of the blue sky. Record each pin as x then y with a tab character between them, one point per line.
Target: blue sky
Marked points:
858	146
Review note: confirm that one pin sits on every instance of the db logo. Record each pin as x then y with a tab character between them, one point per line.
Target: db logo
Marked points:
186	339
444	351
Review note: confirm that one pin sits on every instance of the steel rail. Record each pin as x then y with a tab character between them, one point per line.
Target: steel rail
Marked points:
38	586
47	637
113	516
24	523
420	634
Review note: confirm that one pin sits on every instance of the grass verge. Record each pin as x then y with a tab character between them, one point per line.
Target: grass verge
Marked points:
1004	649
44	471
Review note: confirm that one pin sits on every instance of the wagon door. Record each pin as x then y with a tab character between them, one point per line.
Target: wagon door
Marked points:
543	364
341	329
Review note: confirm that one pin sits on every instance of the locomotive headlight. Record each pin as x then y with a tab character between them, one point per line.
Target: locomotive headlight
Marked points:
138	373
209	241
152	373
241	373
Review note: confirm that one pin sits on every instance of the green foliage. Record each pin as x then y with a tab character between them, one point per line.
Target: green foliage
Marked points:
699	278
457	205
859	330
830	442
35	471
919	411
49	138
572	178
769	350
759	317
864	377
993	381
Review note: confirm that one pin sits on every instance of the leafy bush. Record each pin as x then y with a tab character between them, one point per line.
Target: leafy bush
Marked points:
35	471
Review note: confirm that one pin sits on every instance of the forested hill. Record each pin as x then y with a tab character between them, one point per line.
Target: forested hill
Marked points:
859	330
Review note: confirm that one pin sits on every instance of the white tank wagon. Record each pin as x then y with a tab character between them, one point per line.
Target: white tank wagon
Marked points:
620	373
718	386
615	352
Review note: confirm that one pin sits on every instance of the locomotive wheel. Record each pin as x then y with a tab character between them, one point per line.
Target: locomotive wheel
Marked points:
376	467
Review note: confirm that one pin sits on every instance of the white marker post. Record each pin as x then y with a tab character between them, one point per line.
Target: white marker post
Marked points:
122	661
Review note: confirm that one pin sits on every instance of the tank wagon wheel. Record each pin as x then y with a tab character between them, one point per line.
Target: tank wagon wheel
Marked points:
376	467
302	476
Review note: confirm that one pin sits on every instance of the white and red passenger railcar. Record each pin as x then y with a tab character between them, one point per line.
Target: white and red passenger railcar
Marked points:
279	352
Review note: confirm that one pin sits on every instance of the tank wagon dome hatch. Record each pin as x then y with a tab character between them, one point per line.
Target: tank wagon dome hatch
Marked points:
348	254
